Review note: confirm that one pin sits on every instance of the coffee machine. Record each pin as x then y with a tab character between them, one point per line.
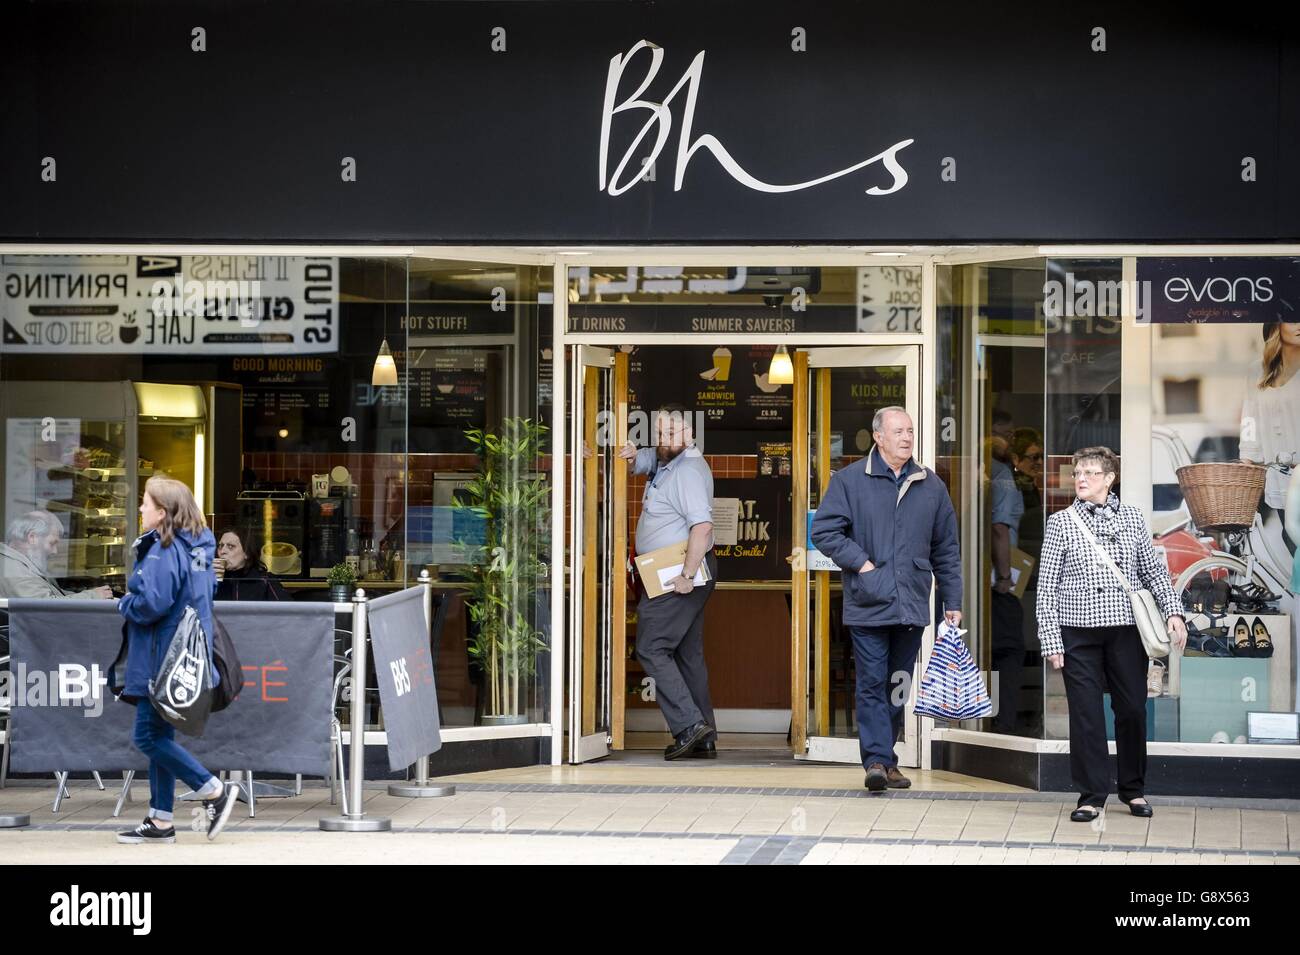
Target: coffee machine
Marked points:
331	531
277	520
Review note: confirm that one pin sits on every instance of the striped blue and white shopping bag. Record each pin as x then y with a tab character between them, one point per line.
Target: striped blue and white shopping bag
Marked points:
952	687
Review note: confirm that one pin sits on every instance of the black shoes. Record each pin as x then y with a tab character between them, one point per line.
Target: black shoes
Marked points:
1251	640
706	749
218	810
1260	642
1085	814
1142	809
877	778
147	832
687	740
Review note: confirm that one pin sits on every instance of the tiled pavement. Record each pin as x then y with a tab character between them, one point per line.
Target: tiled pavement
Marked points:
508	816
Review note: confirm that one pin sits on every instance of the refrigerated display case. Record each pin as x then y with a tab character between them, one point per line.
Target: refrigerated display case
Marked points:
84	450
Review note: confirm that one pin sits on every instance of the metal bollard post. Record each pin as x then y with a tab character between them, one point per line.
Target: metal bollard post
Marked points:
356	820
420	787
14	820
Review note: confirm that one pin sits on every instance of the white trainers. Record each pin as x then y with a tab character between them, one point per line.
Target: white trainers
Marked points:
218	810
1155	679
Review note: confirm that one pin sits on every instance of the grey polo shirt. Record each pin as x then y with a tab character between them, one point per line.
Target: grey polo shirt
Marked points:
678	496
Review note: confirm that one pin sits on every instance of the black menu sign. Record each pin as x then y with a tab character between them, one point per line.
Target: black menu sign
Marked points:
762	521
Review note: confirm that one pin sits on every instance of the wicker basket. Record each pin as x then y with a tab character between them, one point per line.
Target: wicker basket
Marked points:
1222	496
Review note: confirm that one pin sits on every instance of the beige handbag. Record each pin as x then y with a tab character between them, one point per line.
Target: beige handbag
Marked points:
1150	621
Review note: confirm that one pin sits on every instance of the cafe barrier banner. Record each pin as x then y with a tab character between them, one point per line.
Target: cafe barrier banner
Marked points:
399	636
65	718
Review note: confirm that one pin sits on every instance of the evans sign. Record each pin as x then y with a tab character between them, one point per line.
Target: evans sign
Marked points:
1247	290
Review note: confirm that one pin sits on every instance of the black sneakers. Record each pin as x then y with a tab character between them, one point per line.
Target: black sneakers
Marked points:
218	810
147	832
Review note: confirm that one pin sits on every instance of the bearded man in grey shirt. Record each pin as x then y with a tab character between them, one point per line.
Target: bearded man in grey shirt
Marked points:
677	506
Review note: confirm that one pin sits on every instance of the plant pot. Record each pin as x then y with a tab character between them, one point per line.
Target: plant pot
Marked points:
340	593
509	719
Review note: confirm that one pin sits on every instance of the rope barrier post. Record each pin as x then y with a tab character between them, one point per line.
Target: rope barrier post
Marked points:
420	787
356	820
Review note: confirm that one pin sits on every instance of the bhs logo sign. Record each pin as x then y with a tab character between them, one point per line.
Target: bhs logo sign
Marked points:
660	121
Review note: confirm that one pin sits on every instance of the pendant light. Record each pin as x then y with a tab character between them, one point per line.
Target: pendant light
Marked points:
781	370
385	370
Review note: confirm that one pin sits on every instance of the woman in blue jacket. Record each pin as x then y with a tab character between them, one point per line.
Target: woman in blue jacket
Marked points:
173	570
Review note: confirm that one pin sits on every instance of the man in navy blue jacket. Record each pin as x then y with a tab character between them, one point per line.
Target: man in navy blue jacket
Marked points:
889	525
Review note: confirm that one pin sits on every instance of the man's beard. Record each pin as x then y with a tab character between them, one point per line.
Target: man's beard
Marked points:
667	454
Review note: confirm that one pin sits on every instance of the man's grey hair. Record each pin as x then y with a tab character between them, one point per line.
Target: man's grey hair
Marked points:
39	523
878	421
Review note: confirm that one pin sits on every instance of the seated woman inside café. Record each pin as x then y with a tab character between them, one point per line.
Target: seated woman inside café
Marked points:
241	575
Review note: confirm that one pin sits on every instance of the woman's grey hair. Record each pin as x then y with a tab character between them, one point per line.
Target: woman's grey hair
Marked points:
1104	456
878	421
39	523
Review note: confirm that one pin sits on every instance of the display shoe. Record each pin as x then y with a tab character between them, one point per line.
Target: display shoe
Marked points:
1155	679
1207	642
1196	598
1260	640
1254	592
1241	644
1219	602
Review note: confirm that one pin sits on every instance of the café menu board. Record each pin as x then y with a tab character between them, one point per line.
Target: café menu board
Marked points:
311	396
727	384
857	394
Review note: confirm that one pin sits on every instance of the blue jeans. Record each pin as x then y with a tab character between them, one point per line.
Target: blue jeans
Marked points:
168	760
884	658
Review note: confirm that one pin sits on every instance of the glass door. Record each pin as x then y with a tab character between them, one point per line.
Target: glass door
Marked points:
597	552
837	391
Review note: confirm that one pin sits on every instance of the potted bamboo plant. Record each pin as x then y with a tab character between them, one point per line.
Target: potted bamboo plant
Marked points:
505	564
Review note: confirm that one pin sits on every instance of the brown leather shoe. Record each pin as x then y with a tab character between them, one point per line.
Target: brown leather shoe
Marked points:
877	778
896	780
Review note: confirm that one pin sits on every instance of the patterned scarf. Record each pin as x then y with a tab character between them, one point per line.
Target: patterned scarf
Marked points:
1105	517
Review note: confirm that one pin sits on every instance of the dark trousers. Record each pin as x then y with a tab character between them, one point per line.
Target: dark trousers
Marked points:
884	658
1115	655
670	645
1008	657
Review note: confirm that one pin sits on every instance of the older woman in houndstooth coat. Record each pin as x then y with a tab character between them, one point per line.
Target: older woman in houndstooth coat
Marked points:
1086	629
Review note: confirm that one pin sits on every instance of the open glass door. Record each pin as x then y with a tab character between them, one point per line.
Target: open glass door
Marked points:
837	391
597	551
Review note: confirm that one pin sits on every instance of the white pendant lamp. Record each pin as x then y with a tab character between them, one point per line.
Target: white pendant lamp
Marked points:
781	371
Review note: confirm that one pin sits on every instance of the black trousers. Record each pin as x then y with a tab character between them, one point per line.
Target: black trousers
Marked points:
1008	657
1115	655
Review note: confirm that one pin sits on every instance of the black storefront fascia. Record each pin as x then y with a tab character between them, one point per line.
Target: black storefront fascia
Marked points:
958	125
998	125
